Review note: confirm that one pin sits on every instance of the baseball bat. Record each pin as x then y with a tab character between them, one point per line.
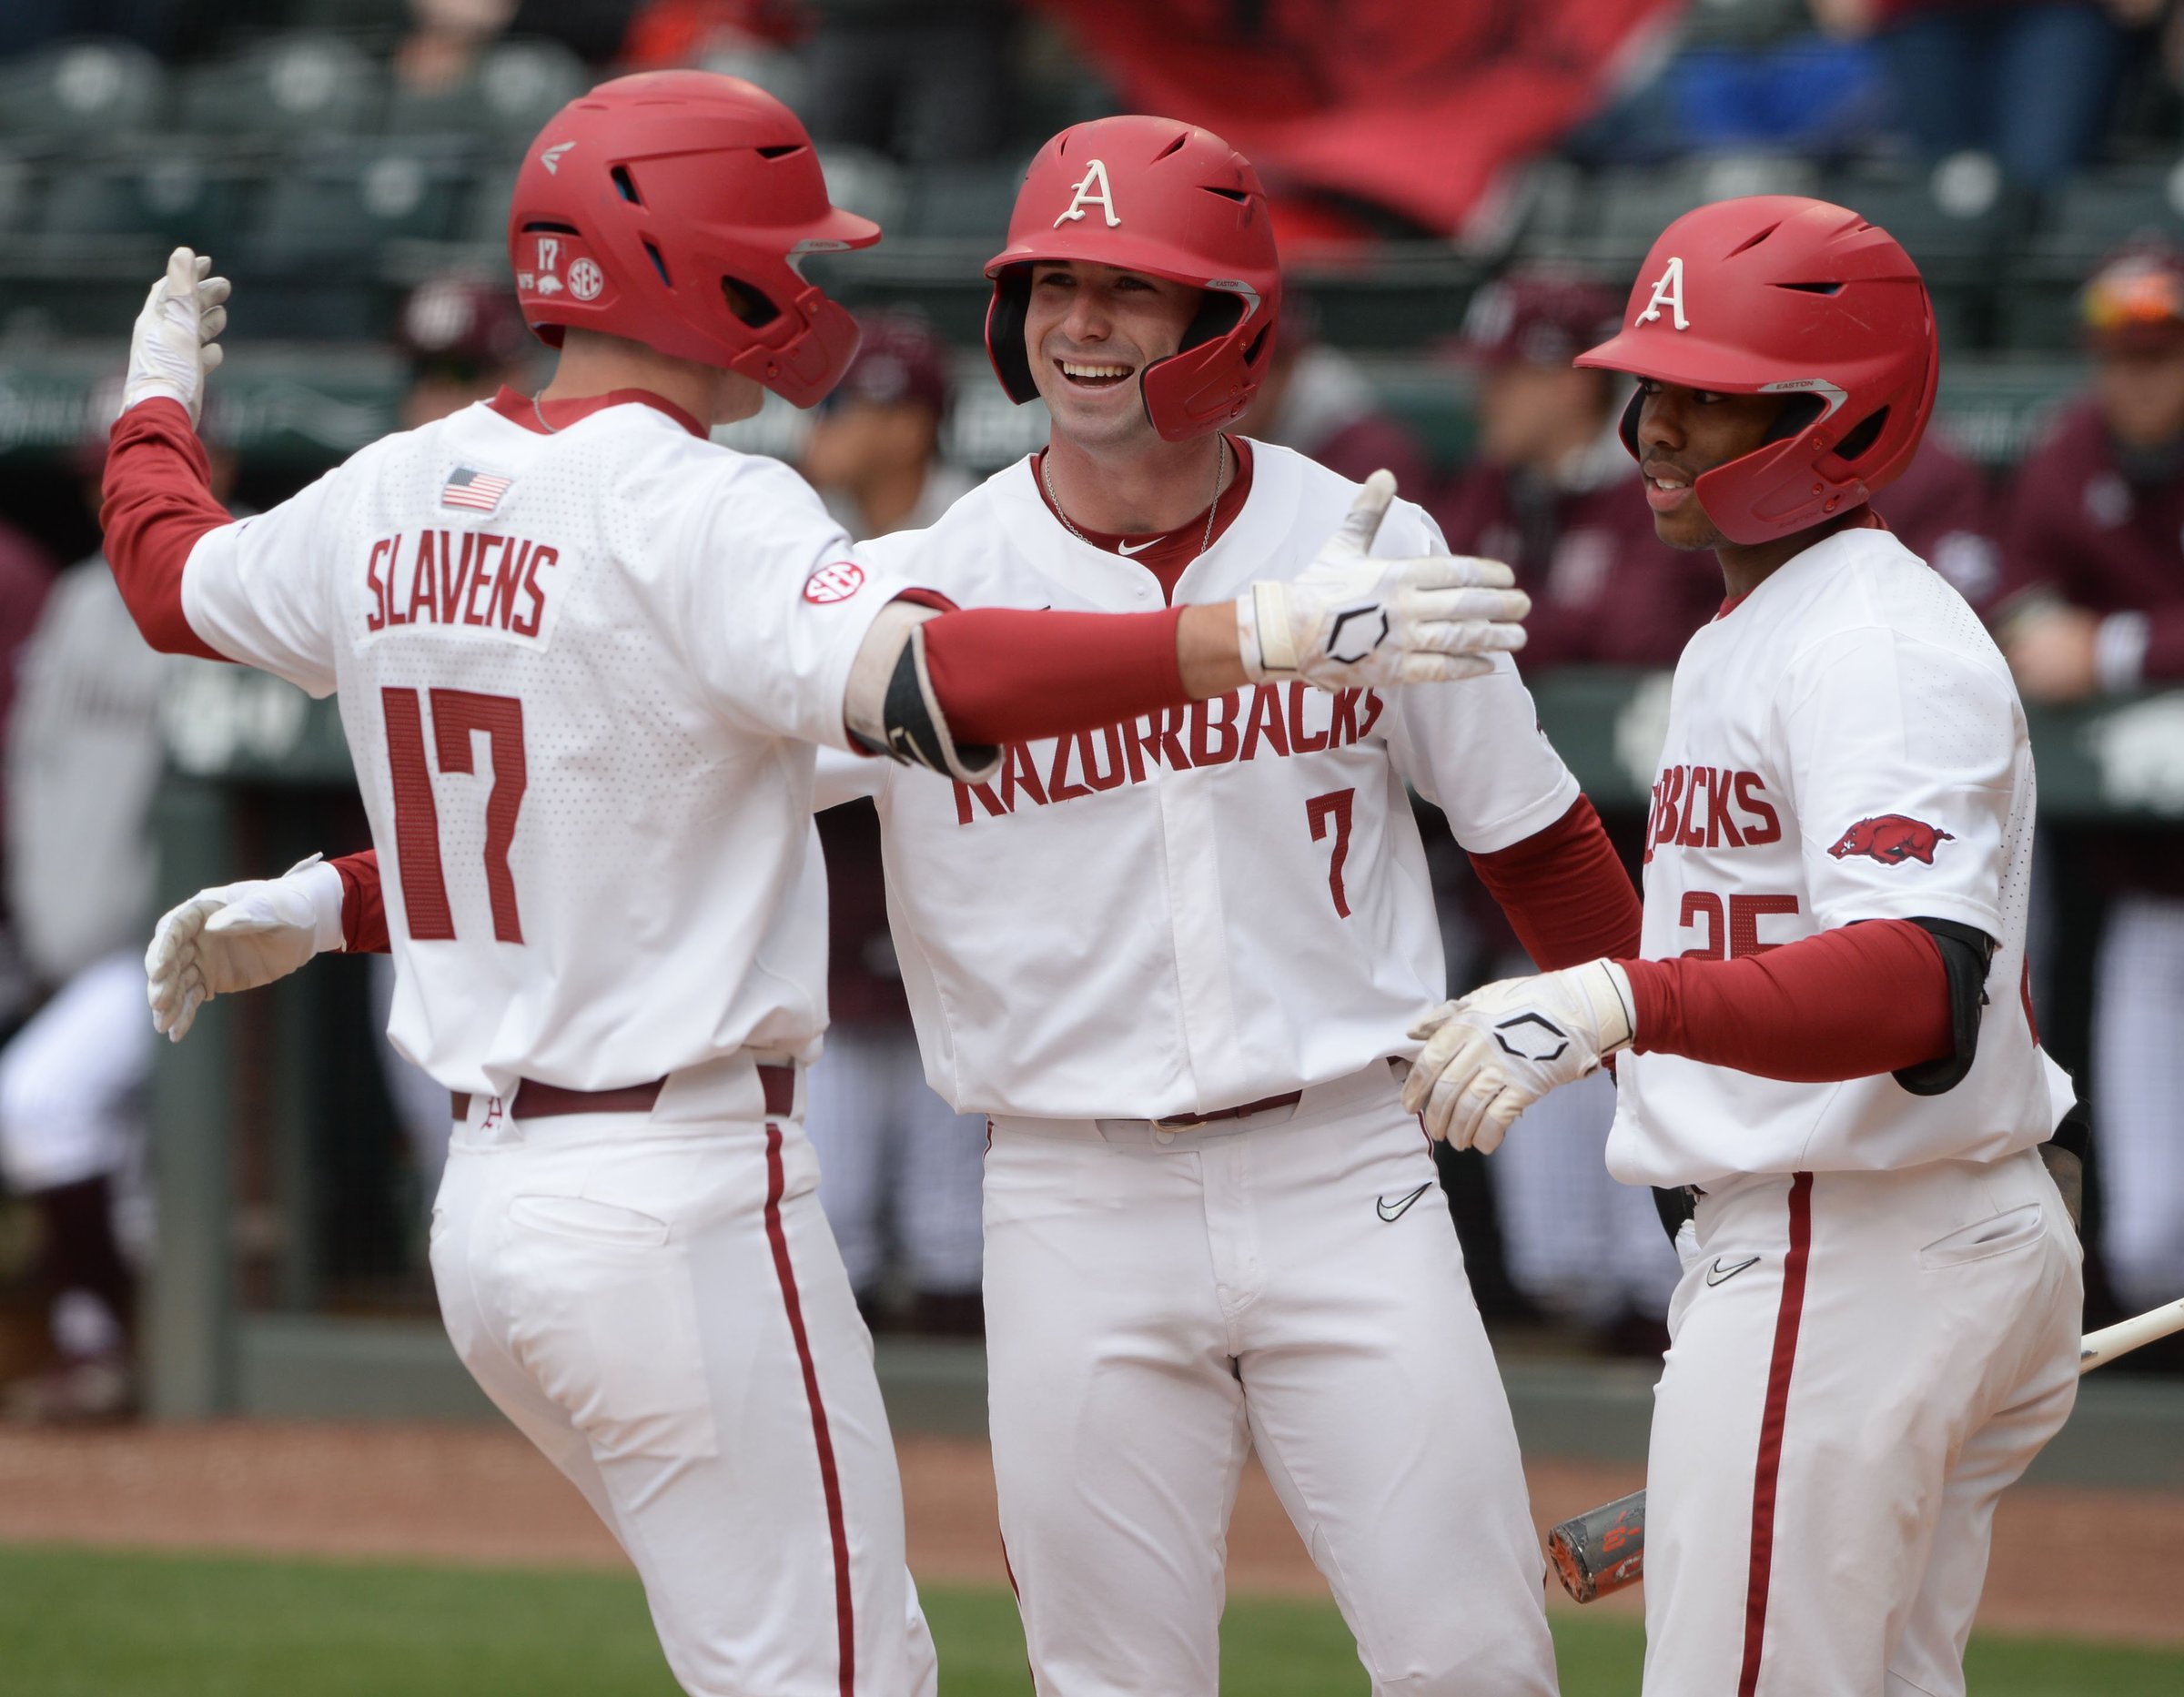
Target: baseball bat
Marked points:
1603	1550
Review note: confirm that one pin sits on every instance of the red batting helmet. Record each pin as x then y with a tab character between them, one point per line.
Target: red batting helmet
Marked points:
1778	295
673	209
1166	200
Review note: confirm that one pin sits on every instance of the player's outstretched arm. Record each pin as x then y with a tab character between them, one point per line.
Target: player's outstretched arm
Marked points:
237	937
157	495
1852	1002
947	690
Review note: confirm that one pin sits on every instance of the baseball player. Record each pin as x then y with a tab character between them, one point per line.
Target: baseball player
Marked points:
1170	958
583	656
84	759
1825	1038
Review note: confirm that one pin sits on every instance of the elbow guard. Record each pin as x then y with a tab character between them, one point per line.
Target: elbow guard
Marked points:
1966	954
912	729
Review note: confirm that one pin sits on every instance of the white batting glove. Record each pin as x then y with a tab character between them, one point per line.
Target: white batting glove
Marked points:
174	341
1354	618
1502	1048
237	937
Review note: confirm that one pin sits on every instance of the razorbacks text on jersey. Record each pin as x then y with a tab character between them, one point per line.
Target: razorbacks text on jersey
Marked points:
1843	744
1204	908
516	633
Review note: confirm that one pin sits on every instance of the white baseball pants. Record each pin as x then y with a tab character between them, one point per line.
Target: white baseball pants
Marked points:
2138	1073
1860	1364
662	1311
72	1080
1157	1304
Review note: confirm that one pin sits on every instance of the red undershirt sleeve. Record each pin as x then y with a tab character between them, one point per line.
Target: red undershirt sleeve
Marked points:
1565	891
1003	675
1852	1003
157	502
363	909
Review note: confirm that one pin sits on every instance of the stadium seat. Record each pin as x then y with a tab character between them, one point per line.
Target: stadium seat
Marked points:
89	88
343	204
296	86
2102	210
1613	221
173	189
519	85
967	203
19	194
1959	215
1994	409
485	215
2087	220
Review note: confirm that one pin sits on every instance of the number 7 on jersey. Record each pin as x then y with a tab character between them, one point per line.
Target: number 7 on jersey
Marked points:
456	713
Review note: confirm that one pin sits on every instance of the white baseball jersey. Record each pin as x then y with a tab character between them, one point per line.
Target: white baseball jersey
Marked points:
1845	744
581	674
1187	913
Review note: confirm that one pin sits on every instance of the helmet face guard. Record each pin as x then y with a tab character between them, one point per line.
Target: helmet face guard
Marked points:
1778	295
675	208
1163	199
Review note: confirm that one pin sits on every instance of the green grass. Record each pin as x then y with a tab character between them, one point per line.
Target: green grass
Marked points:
77	1623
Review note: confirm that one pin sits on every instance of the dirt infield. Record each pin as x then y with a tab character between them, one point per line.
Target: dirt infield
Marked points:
2077	1562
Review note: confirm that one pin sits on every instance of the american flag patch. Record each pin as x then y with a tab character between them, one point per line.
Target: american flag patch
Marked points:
479	490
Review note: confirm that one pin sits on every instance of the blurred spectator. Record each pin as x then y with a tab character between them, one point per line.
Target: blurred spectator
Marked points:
927	81
874	450
84	757
665	34
1555	492
26	578
445	38
26	573
897	1169
2029	81
1316	401
464	339
2094	605
1943	510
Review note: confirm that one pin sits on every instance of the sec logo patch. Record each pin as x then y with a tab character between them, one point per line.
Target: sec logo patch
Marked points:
837	582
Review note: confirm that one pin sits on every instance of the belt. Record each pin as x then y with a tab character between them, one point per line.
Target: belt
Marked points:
535	1100
1244	1110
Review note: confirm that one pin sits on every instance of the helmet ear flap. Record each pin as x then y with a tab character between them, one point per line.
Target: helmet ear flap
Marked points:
1626	427
1004	317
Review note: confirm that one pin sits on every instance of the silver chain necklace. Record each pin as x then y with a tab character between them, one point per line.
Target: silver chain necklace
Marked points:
1220	469
539	412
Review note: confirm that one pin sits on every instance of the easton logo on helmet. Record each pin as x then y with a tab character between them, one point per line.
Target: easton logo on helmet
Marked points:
1083	193
1668	292
836	583
1892	839
551	157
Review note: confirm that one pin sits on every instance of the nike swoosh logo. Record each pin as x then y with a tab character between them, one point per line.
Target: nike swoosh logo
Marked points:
1403	1205
1718	1275
1124	548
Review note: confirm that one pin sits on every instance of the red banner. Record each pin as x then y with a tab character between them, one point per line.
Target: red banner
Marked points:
1414	106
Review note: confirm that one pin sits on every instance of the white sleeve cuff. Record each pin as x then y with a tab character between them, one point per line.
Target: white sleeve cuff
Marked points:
2120	652
322	886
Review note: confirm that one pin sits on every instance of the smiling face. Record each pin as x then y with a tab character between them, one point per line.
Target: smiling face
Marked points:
1684	433
1089	331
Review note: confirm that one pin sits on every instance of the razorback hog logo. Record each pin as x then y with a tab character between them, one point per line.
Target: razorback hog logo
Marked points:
1892	839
